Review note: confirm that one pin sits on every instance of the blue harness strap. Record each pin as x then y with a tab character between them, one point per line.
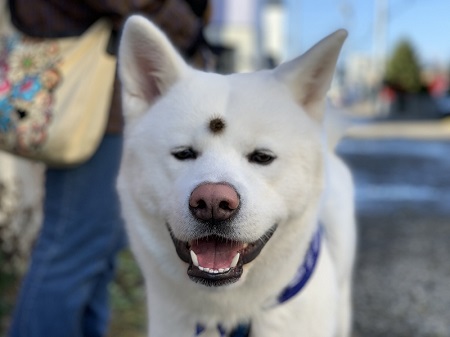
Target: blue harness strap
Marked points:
301	278
199	329
306	269
242	330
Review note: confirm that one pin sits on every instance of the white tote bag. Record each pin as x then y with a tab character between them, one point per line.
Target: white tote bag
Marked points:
54	94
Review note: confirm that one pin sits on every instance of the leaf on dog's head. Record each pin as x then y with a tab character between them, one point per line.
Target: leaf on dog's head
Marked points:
217	125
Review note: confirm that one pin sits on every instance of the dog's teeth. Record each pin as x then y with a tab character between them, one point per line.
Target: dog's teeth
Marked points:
235	260
194	258
215	271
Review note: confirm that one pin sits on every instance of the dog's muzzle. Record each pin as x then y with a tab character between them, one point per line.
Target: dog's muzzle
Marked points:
215	259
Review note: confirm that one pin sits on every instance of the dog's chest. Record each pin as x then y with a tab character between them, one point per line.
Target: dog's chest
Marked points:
304	273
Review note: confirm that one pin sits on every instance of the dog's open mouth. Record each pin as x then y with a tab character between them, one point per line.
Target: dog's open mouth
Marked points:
216	261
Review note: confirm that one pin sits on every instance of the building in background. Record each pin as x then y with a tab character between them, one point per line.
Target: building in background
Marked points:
247	34
255	34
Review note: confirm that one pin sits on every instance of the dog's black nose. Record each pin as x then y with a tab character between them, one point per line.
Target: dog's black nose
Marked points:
214	202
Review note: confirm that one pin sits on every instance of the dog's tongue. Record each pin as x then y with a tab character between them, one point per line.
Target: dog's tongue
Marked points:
215	254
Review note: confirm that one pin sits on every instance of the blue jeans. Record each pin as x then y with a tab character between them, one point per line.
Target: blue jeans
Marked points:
65	291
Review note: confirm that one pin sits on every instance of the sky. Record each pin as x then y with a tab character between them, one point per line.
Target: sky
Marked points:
426	23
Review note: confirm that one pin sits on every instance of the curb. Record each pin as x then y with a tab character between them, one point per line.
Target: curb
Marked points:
426	130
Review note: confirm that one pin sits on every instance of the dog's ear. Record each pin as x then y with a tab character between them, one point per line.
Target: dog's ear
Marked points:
309	75
148	66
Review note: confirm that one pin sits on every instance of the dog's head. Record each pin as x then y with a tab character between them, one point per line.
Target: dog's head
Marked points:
218	164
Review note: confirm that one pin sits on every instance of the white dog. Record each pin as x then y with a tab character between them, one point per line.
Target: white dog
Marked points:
239	215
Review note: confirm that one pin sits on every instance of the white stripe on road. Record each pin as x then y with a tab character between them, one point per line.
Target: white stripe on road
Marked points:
399	193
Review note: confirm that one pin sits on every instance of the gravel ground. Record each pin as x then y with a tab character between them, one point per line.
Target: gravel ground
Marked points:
402	276
402	279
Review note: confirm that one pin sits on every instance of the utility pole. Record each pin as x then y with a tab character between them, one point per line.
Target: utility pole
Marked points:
293	29
380	26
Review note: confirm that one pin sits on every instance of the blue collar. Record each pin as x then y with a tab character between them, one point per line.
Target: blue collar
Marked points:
293	288
304	272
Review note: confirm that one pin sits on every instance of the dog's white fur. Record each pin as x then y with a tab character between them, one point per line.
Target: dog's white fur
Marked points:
168	104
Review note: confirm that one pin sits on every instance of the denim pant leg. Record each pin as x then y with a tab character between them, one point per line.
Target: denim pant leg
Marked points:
64	293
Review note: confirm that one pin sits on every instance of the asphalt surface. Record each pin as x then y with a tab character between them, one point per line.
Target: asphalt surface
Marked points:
402	275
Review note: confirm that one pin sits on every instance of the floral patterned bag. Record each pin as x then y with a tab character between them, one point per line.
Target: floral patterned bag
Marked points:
54	94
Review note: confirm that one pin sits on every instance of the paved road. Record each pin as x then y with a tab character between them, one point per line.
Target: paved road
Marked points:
402	278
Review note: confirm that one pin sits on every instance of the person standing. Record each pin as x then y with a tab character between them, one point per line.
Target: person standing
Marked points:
65	290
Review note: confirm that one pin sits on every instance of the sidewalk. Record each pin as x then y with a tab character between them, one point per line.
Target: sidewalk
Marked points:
401	283
406	129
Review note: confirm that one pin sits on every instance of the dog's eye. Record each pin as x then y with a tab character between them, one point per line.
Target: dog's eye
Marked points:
185	153
261	157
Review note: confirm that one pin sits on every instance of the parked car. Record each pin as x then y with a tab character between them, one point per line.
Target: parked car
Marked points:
443	105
